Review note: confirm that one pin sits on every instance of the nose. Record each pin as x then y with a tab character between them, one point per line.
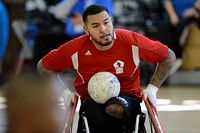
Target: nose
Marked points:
102	29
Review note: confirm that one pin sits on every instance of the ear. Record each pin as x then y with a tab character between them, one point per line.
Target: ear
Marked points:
85	29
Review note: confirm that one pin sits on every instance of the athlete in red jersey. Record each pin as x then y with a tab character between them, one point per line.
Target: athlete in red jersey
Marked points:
117	51
122	59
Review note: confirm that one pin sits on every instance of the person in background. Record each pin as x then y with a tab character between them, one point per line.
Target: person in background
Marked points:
118	51
31	105
40	18
180	14
70	12
4	36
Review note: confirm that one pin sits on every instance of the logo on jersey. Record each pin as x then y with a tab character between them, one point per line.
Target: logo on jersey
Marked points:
88	53
119	66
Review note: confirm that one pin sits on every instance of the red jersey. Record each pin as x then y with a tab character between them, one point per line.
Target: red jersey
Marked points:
122	60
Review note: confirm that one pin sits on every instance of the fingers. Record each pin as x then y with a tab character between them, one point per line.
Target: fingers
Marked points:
144	94
154	106
150	94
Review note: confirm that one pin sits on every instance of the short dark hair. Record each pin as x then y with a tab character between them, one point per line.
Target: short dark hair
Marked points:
93	9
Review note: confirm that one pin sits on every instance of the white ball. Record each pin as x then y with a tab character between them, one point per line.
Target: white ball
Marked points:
103	86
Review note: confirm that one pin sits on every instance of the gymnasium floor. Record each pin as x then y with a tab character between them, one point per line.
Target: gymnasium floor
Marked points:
178	106
179	109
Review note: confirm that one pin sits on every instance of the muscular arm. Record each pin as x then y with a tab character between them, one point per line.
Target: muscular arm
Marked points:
163	69
42	70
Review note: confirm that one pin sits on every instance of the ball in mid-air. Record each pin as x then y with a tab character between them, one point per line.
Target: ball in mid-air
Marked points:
103	86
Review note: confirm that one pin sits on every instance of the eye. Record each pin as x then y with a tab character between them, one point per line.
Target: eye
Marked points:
95	26
106	23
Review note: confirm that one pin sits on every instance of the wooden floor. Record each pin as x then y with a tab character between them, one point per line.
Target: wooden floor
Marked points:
178	106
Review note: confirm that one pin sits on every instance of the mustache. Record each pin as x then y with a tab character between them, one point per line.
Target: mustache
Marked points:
107	35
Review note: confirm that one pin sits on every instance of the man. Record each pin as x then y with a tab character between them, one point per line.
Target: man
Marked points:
31	105
117	51
47	40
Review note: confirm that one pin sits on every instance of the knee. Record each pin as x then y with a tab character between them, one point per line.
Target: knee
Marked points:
116	111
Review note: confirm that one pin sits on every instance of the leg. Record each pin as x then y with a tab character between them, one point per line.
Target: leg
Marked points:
124	108
98	120
116	111
118	115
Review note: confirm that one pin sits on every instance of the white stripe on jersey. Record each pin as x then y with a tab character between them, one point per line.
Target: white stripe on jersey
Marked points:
135	53
75	64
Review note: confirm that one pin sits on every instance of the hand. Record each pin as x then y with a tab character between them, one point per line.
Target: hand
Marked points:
174	20
76	19
150	92
191	12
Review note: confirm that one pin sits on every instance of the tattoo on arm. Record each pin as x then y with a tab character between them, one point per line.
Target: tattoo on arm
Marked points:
163	69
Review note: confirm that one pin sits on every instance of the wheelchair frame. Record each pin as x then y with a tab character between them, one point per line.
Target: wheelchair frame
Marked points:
72	107
73	116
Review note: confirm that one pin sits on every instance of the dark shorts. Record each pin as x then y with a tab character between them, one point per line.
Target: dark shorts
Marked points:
100	122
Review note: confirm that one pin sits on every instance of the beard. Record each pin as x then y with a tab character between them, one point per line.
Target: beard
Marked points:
106	43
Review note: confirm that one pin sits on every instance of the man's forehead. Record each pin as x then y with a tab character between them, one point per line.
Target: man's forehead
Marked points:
96	18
